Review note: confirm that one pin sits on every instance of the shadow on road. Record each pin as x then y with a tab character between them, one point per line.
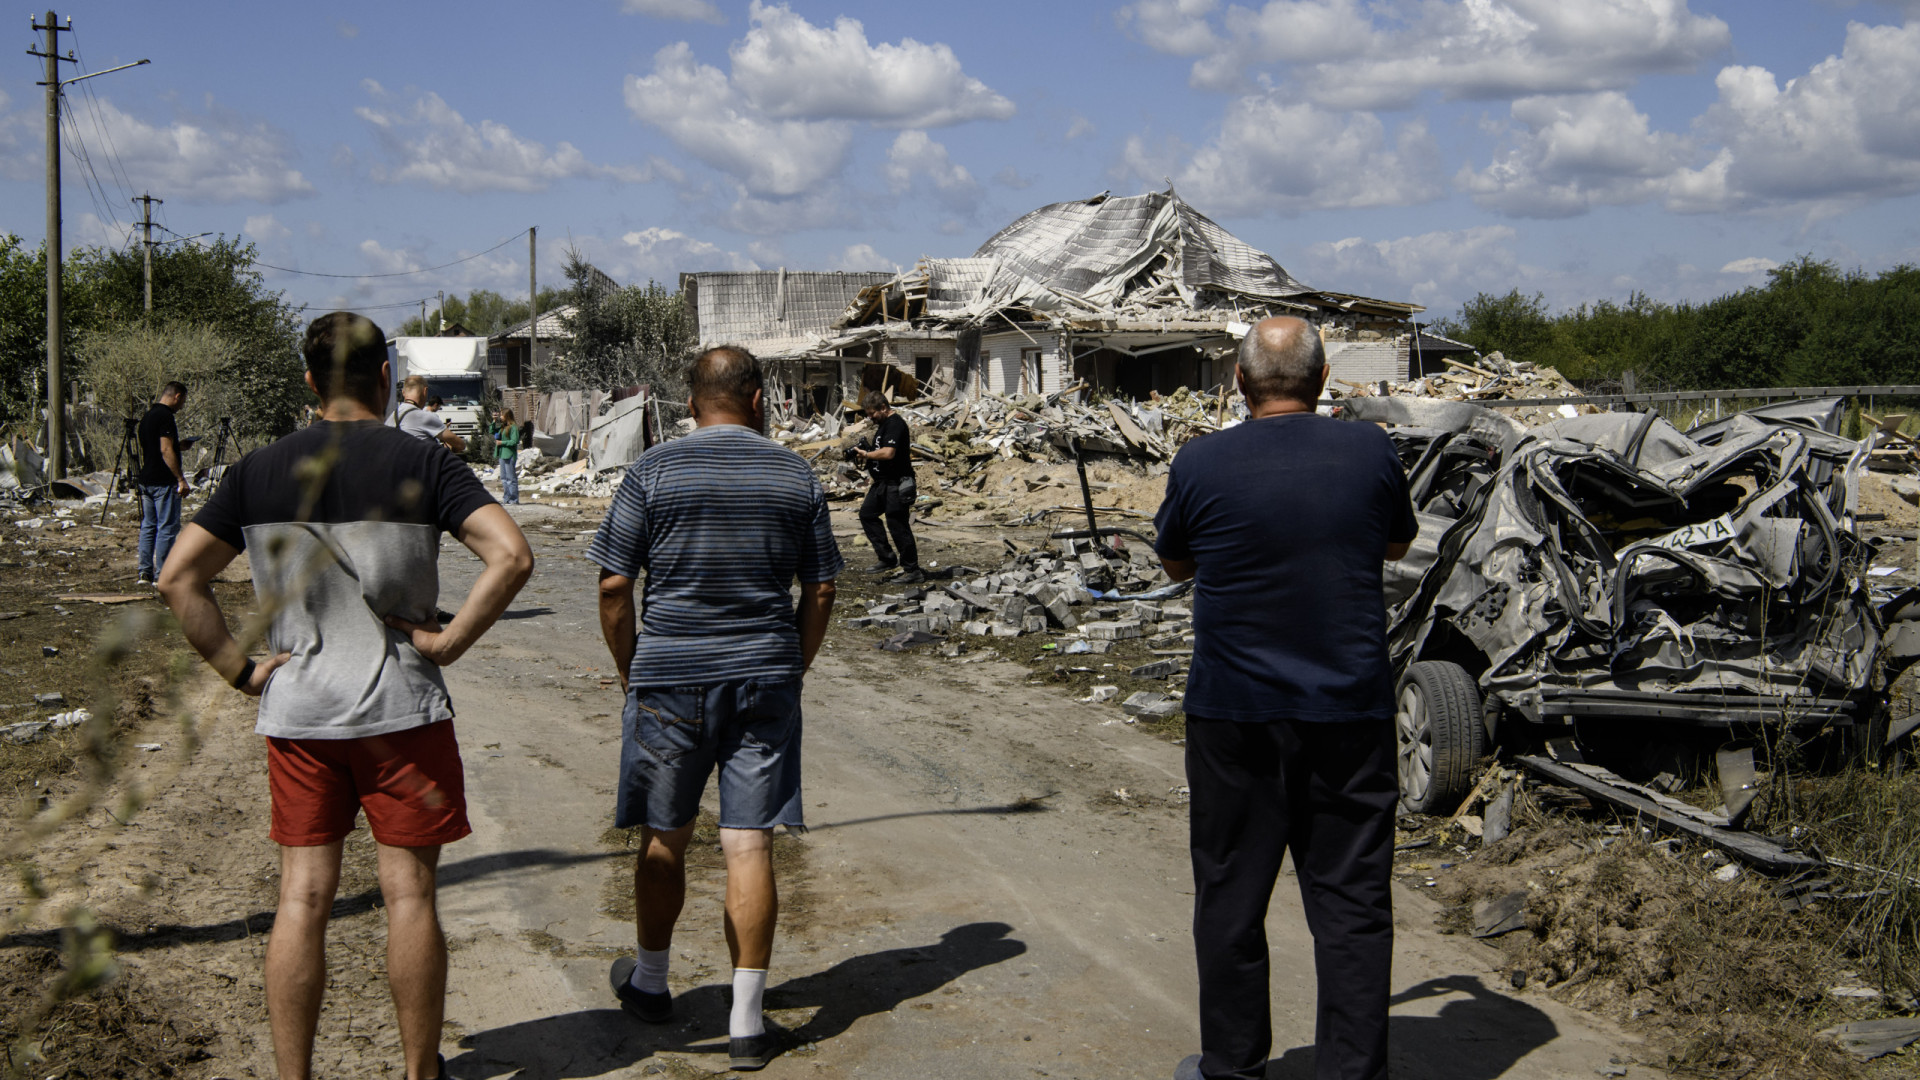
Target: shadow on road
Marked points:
168	935
525	613
1018	806
1478	1037
592	1042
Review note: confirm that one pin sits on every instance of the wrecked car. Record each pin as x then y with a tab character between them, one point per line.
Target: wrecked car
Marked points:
1610	580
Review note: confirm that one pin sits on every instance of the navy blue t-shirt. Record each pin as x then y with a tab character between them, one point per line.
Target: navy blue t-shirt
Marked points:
1289	518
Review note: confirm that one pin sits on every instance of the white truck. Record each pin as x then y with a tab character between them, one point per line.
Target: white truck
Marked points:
456	373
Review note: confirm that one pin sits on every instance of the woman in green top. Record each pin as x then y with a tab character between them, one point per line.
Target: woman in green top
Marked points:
506	447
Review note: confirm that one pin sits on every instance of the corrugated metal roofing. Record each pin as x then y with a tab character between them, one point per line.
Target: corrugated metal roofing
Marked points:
1097	247
550	325
1367	362
775	313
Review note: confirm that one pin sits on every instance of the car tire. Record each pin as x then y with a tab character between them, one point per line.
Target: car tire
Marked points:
1439	735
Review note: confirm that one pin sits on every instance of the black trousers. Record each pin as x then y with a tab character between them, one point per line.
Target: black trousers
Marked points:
893	499
1326	792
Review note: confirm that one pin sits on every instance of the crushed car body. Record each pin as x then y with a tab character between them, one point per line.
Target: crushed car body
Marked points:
1610	567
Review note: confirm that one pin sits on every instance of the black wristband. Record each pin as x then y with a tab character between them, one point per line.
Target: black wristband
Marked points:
245	676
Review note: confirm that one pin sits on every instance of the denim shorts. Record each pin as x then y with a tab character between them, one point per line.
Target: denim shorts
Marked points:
673	737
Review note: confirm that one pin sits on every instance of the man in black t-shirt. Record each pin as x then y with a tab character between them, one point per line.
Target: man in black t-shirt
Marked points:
890	461
162	483
341	522
1284	523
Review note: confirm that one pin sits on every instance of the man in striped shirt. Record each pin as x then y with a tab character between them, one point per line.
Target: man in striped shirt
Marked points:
722	521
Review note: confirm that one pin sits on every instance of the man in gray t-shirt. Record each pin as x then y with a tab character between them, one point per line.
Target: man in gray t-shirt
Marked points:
413	417
352	703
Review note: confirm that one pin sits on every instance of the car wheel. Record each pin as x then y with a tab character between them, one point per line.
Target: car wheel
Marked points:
1440	733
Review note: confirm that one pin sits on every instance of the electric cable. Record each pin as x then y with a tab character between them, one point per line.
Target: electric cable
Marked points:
401	273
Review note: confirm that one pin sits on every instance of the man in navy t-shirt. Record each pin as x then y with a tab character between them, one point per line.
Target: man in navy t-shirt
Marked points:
1284	523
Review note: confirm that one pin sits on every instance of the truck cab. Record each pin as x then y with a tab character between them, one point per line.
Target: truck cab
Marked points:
456	372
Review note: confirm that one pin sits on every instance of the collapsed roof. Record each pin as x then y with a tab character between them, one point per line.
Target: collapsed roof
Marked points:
1146	258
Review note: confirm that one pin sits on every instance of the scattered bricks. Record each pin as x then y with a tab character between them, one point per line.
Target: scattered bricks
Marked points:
1165	641
1111	631
1159	669
909	623
881	609
1142	701
1078	596
1033	624
908	609
1177	626
953	648
1104	693
978	628
1060	613
1175	611
1013	608
1144	611
30	731
1091	560
1004	629
50	700
1103	611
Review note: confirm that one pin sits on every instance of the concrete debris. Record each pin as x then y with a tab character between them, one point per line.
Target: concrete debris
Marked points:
1149	705
1500	915
32	731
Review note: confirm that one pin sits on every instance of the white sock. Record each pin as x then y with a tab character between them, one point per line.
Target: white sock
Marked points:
650	974
749	985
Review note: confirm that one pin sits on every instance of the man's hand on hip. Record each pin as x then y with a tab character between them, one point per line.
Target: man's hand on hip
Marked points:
429	639
262	671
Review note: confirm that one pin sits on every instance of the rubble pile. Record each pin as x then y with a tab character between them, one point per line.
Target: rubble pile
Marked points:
1491	378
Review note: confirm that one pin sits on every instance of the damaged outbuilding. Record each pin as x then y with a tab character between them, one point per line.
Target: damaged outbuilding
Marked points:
1612	579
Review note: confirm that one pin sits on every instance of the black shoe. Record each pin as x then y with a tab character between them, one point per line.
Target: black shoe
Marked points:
878	568
1188	1069
754	1051
652	1008
913	576
443	1067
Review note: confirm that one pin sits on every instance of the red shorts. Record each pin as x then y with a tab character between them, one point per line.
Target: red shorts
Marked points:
409	783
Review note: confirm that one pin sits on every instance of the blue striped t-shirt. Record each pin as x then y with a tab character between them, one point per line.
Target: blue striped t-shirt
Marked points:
722	521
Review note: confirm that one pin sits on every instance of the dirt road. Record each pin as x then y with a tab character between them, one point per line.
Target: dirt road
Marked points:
994	885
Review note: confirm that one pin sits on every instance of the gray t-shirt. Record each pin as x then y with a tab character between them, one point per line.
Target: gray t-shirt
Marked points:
331	568
423	424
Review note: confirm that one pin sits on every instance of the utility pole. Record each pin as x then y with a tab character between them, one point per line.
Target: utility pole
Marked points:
146	241
56	408
440	314
56	326
423	318
533	307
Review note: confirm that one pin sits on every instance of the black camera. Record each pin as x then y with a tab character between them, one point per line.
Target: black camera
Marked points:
853	452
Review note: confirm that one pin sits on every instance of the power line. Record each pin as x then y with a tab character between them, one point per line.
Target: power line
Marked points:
114	165
96	190
402	273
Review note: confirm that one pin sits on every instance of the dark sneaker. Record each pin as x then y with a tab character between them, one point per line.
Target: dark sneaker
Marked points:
443	1067
1188	1069
652	1008
878	568
754	1051
913	576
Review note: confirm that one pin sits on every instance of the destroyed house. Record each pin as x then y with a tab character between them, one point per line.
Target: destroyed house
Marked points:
782	317
1129	296
511	356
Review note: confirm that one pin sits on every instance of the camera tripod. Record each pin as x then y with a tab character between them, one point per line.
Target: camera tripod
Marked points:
129	454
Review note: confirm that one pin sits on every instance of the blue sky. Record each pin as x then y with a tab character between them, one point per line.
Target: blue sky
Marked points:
1409	149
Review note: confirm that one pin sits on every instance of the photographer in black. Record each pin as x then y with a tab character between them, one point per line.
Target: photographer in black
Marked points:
889	460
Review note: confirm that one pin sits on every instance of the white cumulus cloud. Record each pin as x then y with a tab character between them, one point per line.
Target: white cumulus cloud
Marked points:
661	254
682	10
218	157
1385	54
1285	156
1752	264
788	67
1436	269
861	257
428	142
1565	154
1846	131
915	155
265	227
699	109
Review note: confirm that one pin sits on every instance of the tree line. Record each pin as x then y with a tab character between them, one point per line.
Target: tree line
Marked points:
1811	324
